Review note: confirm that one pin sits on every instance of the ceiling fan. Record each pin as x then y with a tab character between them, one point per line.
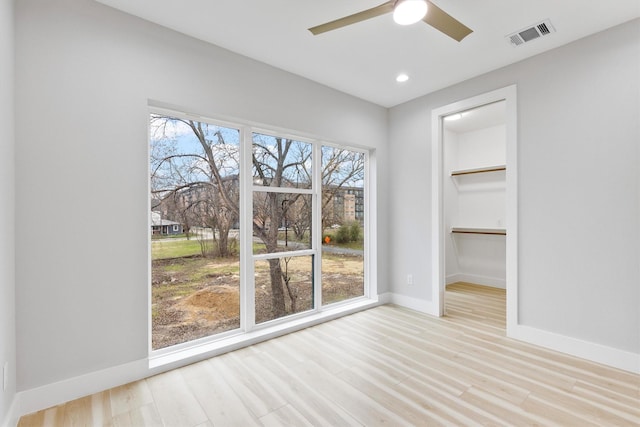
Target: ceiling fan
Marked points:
404	12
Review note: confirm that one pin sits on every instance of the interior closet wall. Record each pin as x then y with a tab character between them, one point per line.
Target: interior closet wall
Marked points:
475	201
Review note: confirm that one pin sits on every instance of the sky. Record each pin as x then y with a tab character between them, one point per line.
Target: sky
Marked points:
175	138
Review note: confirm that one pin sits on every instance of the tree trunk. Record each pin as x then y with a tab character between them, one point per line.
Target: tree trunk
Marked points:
277	292
223	242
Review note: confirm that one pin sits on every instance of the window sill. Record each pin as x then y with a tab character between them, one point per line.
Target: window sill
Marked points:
197	352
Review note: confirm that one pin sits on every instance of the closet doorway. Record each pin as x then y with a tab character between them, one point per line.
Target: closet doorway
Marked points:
475	196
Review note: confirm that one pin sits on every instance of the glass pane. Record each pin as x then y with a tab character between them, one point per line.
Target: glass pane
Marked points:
281	222
343	224
281	162
195	230
284	286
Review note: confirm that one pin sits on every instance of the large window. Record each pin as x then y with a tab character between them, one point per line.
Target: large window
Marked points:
249	227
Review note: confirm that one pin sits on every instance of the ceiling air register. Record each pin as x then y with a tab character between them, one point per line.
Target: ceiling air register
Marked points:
530	33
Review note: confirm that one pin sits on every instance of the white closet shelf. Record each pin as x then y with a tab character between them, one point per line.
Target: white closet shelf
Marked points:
478	170
479	230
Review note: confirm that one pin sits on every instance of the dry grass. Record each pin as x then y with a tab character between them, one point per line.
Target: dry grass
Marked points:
195	297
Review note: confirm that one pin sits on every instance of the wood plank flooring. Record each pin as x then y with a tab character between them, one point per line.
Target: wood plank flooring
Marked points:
385	366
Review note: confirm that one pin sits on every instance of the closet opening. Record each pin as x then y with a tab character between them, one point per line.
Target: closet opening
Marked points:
474	209
474	199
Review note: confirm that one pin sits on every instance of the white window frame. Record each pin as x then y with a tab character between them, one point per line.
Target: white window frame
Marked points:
249	332
370	289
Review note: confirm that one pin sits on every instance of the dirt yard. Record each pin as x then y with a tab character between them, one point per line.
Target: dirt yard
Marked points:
195	297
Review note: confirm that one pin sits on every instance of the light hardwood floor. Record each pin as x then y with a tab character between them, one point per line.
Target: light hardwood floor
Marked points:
385	366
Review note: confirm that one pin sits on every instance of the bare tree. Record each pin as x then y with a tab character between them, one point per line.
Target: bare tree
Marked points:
201	180
298	217
340	168
204	179
277	162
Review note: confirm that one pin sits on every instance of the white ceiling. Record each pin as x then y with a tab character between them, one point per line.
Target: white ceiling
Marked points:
364	59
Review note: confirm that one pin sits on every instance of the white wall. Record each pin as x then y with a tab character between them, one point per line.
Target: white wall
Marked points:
7	207
579	207
480	197
482	147
85	74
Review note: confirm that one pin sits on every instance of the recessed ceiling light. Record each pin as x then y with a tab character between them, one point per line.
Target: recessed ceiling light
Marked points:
401	78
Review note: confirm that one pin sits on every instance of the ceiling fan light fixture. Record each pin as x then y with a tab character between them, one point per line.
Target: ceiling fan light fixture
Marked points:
407	12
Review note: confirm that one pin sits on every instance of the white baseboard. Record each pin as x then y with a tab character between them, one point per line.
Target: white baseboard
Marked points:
53	394
39	398
593	352
46	396
495	282
416	304
385	298
13	415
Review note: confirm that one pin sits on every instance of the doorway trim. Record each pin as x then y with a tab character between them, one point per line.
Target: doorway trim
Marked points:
507	94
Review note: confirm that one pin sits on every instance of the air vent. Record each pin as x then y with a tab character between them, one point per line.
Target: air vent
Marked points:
531	33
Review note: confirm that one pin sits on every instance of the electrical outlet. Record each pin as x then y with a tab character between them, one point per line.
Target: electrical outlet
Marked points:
5	376
409	279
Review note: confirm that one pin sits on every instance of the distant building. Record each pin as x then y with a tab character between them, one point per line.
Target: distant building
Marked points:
198	204
349	207
346	205
164	227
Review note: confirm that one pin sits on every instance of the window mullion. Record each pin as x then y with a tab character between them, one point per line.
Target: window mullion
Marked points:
289	190
317	225
247	276
369	218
